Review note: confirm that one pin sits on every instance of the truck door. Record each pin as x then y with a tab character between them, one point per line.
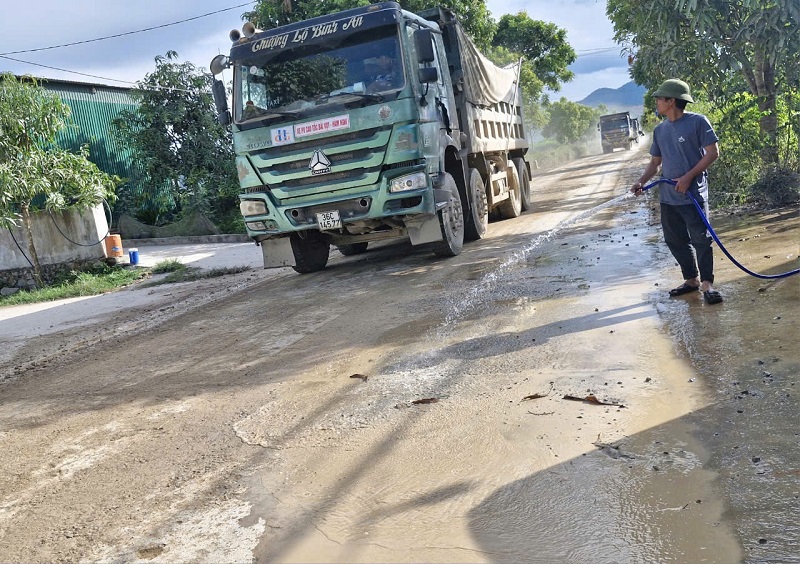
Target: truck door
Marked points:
438	109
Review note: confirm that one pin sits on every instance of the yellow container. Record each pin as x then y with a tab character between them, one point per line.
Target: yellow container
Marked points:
114	246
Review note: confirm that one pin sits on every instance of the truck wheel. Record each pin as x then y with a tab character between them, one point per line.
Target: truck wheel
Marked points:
524	183
451	220
477	221
310	252
354	249
511	207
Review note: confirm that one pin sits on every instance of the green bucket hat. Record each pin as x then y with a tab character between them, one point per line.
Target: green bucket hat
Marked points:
674	88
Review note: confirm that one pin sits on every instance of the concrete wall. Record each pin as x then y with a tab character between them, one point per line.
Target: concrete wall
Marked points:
86	227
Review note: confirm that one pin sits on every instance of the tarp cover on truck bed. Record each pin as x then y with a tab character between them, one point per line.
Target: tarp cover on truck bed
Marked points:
484	82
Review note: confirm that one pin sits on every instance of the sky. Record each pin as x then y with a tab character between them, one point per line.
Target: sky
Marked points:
35	25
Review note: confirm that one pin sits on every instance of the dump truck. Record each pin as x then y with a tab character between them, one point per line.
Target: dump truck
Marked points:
370	124
618	131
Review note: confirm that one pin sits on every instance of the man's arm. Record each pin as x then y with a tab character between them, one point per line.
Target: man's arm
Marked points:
648	173
712	152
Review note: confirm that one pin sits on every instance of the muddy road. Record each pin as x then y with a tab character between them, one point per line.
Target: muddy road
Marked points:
538	398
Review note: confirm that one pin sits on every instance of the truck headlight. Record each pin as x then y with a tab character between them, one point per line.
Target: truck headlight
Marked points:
256	226
252	207
415	181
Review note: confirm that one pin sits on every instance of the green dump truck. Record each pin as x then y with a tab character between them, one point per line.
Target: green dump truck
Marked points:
618	131
370	124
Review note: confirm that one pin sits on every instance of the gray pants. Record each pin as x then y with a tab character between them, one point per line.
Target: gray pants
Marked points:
688	239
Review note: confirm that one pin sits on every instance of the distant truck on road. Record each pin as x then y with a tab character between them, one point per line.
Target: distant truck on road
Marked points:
618	131
370	124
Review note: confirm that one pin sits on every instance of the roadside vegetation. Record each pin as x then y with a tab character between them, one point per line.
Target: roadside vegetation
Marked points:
74	284
739	57
176	271
102	279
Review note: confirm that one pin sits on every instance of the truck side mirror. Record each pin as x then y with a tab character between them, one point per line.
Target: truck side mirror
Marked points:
423	40
428	75
221	102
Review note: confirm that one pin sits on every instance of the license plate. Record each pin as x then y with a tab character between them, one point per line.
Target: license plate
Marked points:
329	220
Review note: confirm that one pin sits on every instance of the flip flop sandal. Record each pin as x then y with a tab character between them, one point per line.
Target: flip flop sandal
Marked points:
683	289
712	297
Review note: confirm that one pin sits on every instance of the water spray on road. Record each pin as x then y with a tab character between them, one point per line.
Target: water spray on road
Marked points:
474	296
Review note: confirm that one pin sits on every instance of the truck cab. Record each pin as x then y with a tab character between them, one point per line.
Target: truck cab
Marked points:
345	132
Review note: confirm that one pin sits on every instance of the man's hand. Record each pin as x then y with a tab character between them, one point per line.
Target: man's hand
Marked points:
637	189
683	183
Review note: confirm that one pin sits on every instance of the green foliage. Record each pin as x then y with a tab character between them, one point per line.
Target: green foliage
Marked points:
549	154
304	78
32	168
543	46
169	265
184	273
736	124
185	156
473	14
777	187
735	176
232	222
570	122
724	48
73	284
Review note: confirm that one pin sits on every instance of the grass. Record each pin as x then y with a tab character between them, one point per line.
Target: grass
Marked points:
76	284
178	272
109	278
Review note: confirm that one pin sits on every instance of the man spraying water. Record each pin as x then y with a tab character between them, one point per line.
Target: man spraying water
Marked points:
684	145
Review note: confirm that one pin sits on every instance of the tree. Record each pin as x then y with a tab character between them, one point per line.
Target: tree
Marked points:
473	14
721	46
543	46
569	121
545	56
32	168
177	141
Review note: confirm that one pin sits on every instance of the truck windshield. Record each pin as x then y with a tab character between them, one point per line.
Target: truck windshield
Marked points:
619	123
364	67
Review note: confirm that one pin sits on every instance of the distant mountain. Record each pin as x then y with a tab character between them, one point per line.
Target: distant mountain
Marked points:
626	98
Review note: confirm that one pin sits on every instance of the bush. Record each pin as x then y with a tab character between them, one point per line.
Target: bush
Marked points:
777	187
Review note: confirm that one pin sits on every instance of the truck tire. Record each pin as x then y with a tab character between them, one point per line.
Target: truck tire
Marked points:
477	220
524	183
451	221
310	252
353	249
511	207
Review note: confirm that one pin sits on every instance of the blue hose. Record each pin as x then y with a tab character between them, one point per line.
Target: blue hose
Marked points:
714	235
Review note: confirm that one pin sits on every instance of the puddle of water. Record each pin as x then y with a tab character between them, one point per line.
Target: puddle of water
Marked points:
476	296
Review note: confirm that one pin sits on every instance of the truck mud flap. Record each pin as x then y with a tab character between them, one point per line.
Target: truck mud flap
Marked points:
277	252
424	231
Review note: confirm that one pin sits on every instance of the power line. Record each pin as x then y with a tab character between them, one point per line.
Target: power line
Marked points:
123	34
598	50
135	84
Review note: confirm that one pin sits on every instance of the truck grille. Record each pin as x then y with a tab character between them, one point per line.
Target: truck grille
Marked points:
356	158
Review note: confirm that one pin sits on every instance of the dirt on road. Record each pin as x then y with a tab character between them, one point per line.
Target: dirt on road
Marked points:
537	398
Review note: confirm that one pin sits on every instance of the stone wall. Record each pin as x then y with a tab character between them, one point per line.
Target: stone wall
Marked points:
16	279
62	239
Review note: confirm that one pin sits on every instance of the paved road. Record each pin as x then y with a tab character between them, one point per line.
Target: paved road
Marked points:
199	255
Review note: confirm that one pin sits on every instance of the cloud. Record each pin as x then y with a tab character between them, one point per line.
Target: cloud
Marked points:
130	57
126	58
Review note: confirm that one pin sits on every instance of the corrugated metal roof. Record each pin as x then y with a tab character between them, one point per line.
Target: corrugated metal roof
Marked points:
94	107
